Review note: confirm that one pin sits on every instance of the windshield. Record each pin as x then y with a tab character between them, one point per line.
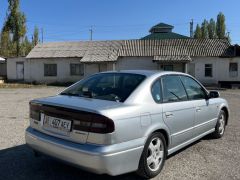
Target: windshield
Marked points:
106	86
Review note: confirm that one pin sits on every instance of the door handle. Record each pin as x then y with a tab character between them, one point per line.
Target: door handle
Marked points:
168	114
198	109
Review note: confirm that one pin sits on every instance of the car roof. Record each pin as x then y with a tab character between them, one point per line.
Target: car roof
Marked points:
147	73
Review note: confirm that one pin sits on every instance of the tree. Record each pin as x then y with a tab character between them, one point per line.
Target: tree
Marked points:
212	29
198	32
15	24
204	29
26	46
221	27
5	44
35	38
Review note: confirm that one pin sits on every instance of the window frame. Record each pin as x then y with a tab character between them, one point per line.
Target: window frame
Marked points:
47	74
177	75
80	64
210	76
202	87
160	81
232	75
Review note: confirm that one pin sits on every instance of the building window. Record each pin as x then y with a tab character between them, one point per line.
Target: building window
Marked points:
208	70
233	69
168	67
76	69
50	69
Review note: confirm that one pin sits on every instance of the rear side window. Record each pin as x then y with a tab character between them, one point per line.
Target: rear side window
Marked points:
194	90
173	89
156	91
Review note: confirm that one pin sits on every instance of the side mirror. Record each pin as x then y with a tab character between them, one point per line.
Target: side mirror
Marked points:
213	94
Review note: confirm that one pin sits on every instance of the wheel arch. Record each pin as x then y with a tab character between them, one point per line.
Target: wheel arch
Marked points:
225	109
165	134
162	129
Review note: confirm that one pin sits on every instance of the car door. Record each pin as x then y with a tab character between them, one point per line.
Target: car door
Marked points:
205	113
178	112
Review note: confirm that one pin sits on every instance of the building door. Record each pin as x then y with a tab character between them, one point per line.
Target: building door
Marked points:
20	70
102	67
191	69
168	67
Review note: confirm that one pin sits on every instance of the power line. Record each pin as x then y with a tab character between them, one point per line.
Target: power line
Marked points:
58	33
42	34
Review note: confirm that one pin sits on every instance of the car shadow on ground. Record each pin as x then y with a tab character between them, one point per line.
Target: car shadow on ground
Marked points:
205	138
20	163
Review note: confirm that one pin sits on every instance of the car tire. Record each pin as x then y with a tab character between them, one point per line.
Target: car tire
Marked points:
153	156
220	126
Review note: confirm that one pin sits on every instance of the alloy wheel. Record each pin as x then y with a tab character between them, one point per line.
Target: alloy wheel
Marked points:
155	154
221	124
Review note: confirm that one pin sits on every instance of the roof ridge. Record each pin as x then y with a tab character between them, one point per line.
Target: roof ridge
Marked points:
134	47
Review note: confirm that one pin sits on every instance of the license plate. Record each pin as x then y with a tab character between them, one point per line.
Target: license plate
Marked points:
57	124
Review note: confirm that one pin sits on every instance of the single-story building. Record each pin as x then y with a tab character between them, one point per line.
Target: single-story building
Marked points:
3	69
212	61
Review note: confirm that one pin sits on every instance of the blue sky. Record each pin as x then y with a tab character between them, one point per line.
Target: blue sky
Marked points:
70	20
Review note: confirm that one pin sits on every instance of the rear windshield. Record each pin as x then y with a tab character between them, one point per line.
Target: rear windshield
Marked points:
106	86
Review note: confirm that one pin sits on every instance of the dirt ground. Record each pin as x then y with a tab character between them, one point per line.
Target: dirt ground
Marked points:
205	159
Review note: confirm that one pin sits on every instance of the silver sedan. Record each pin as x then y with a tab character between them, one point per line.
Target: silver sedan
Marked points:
119	122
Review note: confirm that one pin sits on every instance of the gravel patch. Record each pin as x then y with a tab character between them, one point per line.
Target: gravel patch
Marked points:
206	159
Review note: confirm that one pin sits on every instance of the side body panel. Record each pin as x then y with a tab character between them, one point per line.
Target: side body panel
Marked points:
205	116
179	117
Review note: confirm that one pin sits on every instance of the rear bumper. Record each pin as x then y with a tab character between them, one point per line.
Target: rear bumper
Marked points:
112	159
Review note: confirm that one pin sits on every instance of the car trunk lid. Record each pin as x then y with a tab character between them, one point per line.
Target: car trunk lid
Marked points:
82	114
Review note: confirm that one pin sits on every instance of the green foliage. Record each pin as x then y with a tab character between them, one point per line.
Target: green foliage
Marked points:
198	32
26	47
14	41
212	29
221	27
35	38
5	44
204	29
15	23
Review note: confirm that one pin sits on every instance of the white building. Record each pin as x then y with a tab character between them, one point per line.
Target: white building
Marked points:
212	61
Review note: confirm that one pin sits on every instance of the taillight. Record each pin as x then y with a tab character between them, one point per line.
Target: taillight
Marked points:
81	120
96	124
34	112
102	124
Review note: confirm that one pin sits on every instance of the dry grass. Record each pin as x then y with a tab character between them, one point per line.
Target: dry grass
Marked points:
19	85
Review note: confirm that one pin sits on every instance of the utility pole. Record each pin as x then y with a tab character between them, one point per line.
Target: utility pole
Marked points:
228	35
91	33
191	28
42	34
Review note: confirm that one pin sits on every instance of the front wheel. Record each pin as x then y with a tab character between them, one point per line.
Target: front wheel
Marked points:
220	126
153	156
